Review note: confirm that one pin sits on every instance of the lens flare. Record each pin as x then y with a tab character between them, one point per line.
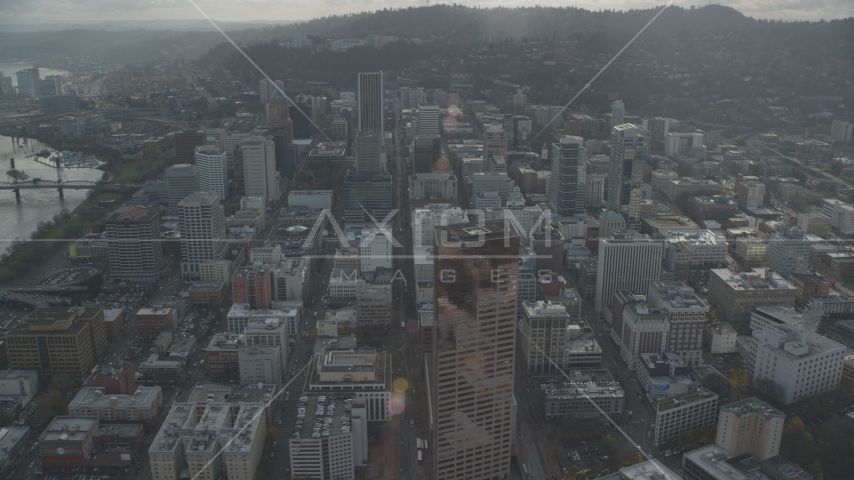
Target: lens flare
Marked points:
400	385
398	403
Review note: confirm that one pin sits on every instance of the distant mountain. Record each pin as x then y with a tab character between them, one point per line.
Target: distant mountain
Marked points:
136	42
190	25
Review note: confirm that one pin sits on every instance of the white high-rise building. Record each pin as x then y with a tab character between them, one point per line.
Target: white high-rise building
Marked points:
492	182
567	182
627	261
213	170
801	364
841	131
260	178
202	231
370	95
789	251
618	113
595	191
375	249
369	154
433	185
679	143
428	120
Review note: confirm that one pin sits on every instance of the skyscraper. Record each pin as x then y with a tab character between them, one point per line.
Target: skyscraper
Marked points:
28	82
260	178
213	170
266	89
494	143
181	180
202	231
427	150
370	90
369	155
627	261
473	356
629	150
366	195
133	236
278	115
186	142
618	113
567	182
428	120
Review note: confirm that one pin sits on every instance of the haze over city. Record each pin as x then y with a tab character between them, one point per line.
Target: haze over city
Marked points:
392	241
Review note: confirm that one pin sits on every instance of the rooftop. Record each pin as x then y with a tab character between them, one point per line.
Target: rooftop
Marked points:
592	384
752	405
699	396
68	429
95	397
324	416
204	393
758	278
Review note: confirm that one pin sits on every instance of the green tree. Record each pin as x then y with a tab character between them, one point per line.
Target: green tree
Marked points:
273	433
611	448
797	442
836	168
740	382
63	384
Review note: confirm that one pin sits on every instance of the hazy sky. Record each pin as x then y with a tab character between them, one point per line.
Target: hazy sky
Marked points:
83	11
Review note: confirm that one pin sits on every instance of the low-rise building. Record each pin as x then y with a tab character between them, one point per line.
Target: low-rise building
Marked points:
343	285
286	313
363	373
373	305
151	321
735	295
578	396
719	338
114	322
680	414
85	442
714	462
221	357
260	364
113	380
139	407
664	375
13	446
208	295
194	434
22	385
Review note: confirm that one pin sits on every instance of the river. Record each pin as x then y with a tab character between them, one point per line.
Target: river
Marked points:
9	69
19	220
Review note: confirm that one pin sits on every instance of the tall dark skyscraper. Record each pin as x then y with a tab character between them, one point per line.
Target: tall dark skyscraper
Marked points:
370	92
427	150
629	150
567	181
471	367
